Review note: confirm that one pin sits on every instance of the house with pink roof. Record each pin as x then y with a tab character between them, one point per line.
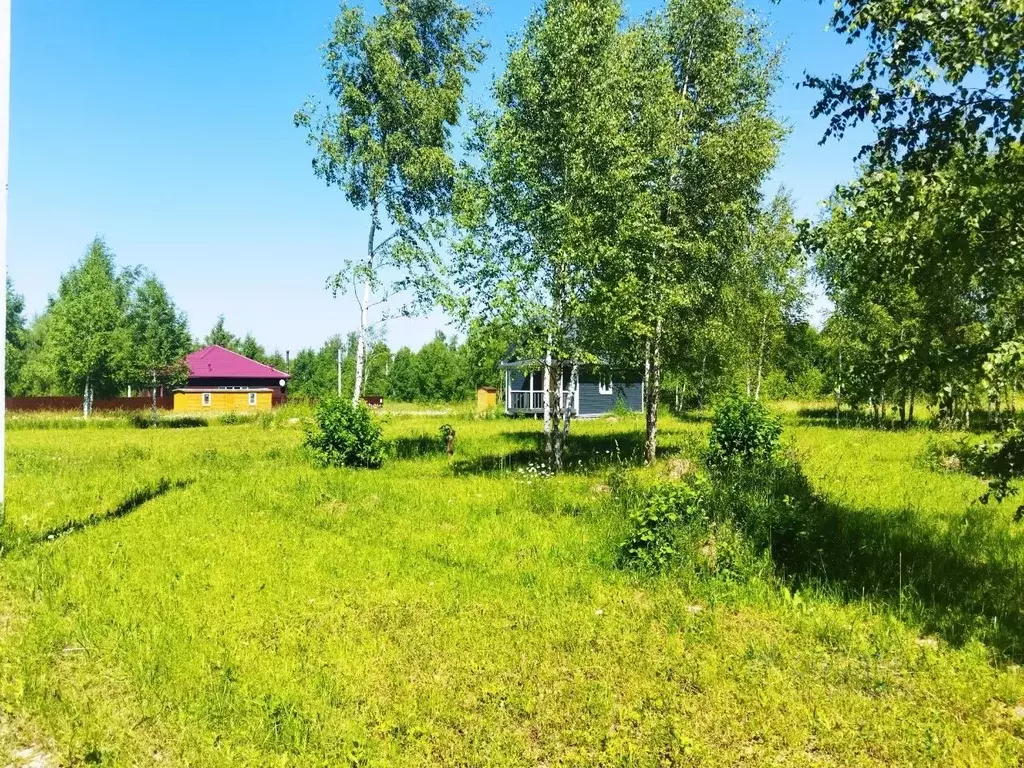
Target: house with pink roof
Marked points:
222	380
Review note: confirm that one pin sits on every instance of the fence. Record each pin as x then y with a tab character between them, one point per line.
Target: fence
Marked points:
74	403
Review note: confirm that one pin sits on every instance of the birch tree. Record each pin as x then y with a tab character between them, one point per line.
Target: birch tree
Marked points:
160	339
88	341
537	212
766	293
396	84
700	139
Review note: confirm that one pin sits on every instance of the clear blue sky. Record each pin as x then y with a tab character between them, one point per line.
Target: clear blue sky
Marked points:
167	129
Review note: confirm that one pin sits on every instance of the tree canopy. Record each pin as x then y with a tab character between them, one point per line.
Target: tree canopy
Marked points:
396	84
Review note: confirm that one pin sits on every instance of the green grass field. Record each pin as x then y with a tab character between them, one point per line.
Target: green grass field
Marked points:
205	597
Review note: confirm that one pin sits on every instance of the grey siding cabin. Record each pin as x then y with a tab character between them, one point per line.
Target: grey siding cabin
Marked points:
596	395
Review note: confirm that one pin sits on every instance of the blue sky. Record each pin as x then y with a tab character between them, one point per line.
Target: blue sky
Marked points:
167	129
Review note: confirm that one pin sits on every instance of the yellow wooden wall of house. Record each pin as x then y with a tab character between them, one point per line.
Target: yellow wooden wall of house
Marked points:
222	400
486	399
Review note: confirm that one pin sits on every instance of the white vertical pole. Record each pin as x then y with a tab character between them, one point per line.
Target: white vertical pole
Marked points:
547	392
339	359
5	135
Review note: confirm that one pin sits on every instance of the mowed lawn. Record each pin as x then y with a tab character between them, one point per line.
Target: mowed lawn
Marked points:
205	597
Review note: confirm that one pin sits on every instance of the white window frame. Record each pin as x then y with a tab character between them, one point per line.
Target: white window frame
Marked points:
605	388
252	398
207	399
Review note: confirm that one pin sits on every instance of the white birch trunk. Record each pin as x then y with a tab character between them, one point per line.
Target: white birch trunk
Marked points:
566	408
760	355
652	390
364	311
549	442
153	393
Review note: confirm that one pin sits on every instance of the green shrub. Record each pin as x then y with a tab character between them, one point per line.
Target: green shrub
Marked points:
659	515
743	432
674	526
343	435
999	462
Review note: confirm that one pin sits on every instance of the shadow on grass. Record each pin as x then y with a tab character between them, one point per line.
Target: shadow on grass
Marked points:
416	446
583	453
130	504
961	580
982	421
145	421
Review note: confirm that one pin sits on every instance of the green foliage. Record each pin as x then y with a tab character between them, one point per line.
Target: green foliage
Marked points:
396	84
441	373
403	384
764	296
16	337
89	340
536	208
1000	462
343	435
743	432
921	255
937	77
660	516
252	349
220	336
160	339
924	275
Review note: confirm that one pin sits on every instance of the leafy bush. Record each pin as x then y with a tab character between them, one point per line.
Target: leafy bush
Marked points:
673	526
231	418
343	435
658	515
999	462
945	454
744	432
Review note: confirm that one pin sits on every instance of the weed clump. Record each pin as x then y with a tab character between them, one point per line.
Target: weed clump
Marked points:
717	520
343	435
744	432
661	515
683	526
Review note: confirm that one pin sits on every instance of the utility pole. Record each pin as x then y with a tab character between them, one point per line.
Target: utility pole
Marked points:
5	136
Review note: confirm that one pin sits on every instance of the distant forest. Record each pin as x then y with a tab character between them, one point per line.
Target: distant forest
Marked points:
111	328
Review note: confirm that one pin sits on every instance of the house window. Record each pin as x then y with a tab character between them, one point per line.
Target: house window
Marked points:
252	398
605	387
206	399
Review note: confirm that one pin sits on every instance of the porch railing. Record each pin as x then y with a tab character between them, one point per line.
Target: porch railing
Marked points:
530	401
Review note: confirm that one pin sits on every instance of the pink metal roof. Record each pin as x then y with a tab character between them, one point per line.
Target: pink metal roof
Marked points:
219	363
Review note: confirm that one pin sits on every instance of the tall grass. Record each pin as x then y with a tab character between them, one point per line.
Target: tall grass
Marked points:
468	611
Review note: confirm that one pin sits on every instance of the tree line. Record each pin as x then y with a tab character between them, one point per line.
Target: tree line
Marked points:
104	329
609	202
921	254
112	329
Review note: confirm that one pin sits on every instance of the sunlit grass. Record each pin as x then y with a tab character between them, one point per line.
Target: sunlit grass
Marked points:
459	612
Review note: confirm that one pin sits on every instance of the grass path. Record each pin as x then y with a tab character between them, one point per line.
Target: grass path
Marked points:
457	614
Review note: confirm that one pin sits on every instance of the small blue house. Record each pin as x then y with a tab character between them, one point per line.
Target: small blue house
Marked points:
596	395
